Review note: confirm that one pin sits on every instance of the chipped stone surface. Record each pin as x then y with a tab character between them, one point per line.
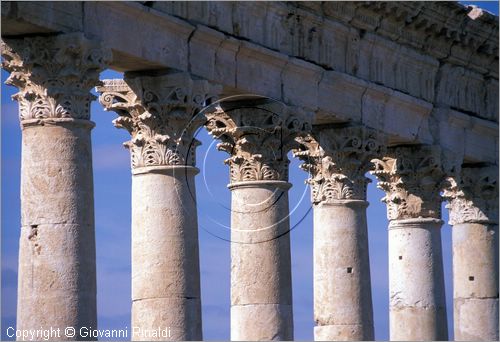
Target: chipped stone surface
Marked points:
56	182
180	315
165	257
51	290
342	294
259	70
300	83
420	74
400	46
160	115
417	306
261	284
343	90
261	322
468	313
337	160
204	44
57	266
258	136
473	205
412	178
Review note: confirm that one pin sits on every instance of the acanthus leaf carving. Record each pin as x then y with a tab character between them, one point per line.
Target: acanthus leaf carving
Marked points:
258	139
473	196
54	75
412	178
161	114
337	160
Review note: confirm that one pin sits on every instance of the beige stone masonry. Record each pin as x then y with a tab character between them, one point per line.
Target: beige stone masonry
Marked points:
337	160
258	134
473	207
427	63
161	115
412	177
405	90
57	266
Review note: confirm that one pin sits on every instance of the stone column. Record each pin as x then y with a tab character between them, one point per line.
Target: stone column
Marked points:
337	160
473	206
412	177
258	137
160	113
57	271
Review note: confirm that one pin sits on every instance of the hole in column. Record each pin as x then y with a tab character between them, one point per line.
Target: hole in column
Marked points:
349	269
34	232
400	257
471	278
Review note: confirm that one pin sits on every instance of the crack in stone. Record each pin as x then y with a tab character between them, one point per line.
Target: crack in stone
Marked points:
189	48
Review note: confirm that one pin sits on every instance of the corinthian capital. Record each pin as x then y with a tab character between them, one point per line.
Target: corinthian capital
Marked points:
473	196
54	75
258	138
160	113
337	160
411	177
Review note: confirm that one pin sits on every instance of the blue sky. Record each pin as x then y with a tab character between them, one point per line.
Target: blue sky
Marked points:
112	203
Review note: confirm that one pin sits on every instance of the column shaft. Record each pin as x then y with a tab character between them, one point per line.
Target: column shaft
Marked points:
416	281
258	134
337	160
160	113
412	178
475	281
57	270
342	289
165	257
473	208
57	273
261	284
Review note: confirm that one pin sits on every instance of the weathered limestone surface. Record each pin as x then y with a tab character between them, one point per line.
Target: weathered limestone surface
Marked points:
474	216
258	136
57	279
337	160
374	38
161	114
386	64
261	284
412	178
416	282
342	298
420	74
165	260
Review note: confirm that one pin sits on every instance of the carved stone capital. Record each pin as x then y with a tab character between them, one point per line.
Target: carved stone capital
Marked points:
258	138
337	160
473	196
54	75
160	113
412	178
